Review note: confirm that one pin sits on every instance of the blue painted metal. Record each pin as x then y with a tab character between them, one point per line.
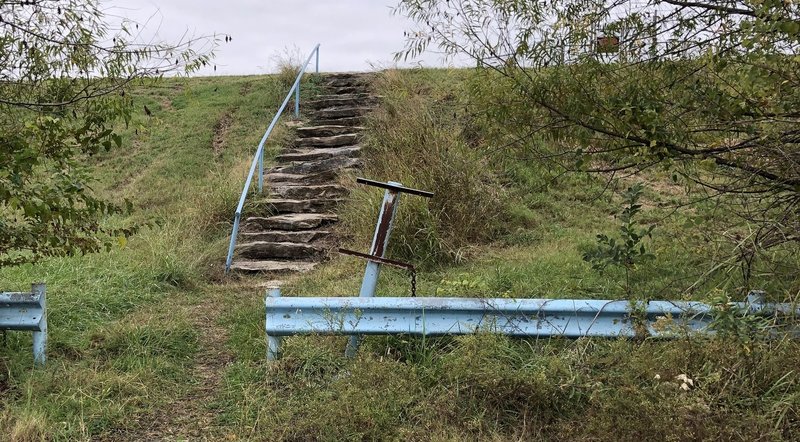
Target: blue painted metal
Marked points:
27	311
297	101
273	342
258	158
380	241
569	318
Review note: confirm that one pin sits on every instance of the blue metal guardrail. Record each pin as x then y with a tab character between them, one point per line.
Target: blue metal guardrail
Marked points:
258	158
27	311
569	318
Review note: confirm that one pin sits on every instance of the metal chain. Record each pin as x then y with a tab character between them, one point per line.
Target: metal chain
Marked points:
413	274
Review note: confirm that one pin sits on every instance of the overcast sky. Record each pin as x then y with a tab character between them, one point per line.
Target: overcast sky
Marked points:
354	34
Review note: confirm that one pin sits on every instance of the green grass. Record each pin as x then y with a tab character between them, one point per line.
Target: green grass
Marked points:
125	336
121	345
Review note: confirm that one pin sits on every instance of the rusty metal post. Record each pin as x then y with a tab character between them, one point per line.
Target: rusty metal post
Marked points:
391	199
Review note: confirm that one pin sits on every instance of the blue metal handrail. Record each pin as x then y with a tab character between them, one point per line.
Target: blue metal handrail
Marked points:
258	158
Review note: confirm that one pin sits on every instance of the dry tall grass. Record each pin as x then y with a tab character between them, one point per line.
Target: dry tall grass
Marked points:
418	138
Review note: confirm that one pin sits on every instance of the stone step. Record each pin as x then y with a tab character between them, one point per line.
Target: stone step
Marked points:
326	131
349	121
279	179
253	265
292	221
319	154
346	81
355	95
352	74
287	250
331	141
281	205
318	191
342	101
347	90
308	167
342	112
299	236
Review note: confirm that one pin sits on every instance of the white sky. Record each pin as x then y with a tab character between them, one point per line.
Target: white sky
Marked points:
354	34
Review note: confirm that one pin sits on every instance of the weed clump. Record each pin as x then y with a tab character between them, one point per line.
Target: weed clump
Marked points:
287	65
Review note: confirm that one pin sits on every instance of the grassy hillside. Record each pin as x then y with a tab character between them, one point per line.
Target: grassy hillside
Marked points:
150	341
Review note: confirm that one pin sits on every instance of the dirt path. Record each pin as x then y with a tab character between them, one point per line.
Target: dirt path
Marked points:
190	416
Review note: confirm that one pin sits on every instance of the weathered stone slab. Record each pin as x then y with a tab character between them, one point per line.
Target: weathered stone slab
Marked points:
350	74
303	236
286	250
300	178
305	192
331	141
293	221
326	131
321	205
342	112
250	265
356	95
343	100
345	89
319	154
349	121
319	166
353	81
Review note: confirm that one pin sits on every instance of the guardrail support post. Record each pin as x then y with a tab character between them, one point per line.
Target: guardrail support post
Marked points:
27	311
40	337
391	199
273	342
755	300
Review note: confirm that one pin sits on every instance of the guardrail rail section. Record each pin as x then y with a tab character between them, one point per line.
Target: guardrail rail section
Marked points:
27	311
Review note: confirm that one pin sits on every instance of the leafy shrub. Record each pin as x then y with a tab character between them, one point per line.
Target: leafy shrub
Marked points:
733	322
627	249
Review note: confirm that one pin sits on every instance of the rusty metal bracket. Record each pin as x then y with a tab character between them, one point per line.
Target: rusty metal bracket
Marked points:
378	259
395	187
412	272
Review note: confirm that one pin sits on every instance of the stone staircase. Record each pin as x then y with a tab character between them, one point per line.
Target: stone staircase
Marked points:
294	234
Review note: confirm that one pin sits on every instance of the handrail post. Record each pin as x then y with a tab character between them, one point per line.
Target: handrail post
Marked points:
297	101
232	245
261	171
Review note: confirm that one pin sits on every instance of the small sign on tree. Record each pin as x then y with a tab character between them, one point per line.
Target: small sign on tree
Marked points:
607	44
